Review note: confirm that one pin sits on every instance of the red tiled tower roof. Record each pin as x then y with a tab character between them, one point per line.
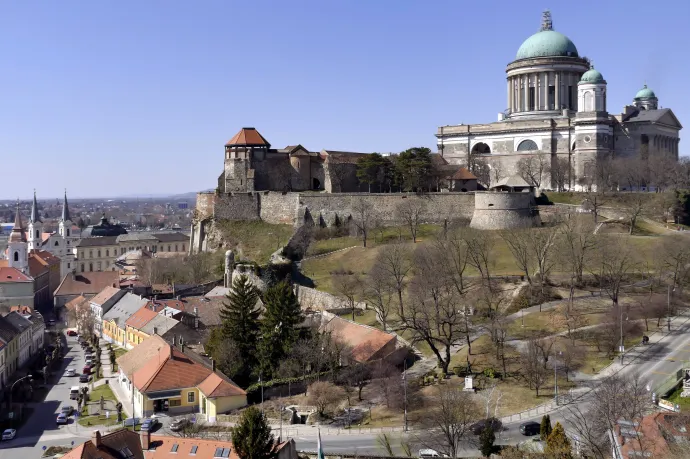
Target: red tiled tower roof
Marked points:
18	234
248	137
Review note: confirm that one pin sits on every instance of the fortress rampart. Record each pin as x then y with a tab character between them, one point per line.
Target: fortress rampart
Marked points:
494	210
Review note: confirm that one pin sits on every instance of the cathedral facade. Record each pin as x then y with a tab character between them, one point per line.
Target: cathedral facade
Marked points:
557	112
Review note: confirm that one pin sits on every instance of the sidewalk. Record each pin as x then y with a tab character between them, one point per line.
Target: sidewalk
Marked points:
120	394
616	366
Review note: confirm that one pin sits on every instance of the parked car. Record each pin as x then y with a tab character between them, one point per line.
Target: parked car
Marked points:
478	427
74	392
9	434
87	352
130	422
428	453
71	371
71	333
51	322
530	428
149	424
179	424
84	378
61	419
86	370
67	410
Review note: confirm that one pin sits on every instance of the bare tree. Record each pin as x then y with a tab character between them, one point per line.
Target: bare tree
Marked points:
532	168
453	256
86	320
363	212
534	366
676	253
635	205
480	253
356	375
541	243
615	398
446	423
411	211
572	358
349	286
394	263
518	242
337	172
387	383
577	243
324	396
560	170
379	293
615	264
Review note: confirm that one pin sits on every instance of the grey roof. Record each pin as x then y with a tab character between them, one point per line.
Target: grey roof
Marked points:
218	291
7	330
136	237
171	237
512	181
36	319
124	308
98	241
18	321
646	116
104	228
161	323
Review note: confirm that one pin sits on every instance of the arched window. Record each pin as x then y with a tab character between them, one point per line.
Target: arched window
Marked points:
82	267
588	102
67	231
527	145
107	252
99	253
16	256
90	267
56	243
36	234
481	149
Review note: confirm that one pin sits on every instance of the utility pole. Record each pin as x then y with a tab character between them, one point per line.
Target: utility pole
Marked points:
668	308
621	349
12	391
405	392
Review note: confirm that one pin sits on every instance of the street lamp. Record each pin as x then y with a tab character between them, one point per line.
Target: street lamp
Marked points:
405	392
555	377
12	391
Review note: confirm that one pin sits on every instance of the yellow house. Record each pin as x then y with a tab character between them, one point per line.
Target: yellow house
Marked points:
175	382
114	328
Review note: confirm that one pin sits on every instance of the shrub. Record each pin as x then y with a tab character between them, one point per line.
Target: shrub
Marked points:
490	373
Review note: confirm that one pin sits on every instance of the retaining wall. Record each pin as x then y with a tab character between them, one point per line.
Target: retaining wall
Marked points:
502	210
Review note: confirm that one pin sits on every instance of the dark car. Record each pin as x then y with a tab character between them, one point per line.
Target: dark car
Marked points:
530	428
67	410
86	370
84	378
149	424
179	424
478	427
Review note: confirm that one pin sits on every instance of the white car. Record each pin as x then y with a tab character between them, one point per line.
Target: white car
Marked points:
428	453
9	434
71	371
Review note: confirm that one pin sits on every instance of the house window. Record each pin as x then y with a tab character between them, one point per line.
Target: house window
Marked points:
183	247
190	397
176	248
174	402
90	253
99	266
161	249
90	267
67	231
16	256
82	268
68	266
99	253
169	249
107	252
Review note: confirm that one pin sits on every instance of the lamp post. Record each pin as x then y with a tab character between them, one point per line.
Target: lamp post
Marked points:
405	392
280	437
12	392
555	378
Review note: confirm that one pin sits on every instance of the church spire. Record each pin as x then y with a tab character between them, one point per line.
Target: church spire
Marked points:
18	234
546	22
65	209
34	210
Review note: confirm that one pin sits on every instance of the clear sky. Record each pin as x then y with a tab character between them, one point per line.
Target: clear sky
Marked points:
139	96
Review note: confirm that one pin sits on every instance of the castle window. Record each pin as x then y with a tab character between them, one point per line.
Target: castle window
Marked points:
527	145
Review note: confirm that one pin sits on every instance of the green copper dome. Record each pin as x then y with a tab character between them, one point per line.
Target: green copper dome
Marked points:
547	43
645	93
592	76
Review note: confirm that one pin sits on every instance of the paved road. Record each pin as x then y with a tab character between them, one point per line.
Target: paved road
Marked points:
41	429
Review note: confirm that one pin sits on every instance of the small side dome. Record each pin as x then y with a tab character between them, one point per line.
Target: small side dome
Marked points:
645	93
592	76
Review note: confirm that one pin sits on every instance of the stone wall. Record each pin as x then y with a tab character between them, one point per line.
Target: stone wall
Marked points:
278	207
498	210
316	300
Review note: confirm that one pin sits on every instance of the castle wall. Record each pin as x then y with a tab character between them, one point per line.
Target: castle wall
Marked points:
498	210
278	207
236	206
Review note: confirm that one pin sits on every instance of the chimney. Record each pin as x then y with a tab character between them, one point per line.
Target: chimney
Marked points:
145	437
213	365
96	438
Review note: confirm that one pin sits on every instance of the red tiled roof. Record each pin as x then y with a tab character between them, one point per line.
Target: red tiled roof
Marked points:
13	275
36	268
87	283
75	303
162	445
45	257
248	137
110	446
364	341
463	174
170	370
141	317
105	294
215	386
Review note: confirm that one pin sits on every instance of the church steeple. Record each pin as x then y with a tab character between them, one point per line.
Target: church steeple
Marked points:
18	234
17	247
65	210
34	211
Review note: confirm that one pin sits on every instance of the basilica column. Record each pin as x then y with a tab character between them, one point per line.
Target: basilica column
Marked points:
557	83
518	80
537	90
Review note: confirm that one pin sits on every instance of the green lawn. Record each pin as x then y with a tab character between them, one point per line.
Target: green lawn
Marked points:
99	419
684	403
367	317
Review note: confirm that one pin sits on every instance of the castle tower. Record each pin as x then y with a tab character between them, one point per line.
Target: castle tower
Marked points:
17	246
645	99
35	227
593	129
241	152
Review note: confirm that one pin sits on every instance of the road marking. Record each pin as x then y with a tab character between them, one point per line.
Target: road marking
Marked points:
660	373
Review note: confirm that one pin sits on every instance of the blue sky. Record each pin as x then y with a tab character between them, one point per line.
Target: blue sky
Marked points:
139	96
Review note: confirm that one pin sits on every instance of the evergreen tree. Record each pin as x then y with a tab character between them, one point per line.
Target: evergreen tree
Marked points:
240	317
545	428
486	441
252	437
558	444
282	314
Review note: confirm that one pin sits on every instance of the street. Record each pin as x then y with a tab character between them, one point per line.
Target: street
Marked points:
40	429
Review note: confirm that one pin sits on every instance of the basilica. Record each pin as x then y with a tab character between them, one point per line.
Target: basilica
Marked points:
557	111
